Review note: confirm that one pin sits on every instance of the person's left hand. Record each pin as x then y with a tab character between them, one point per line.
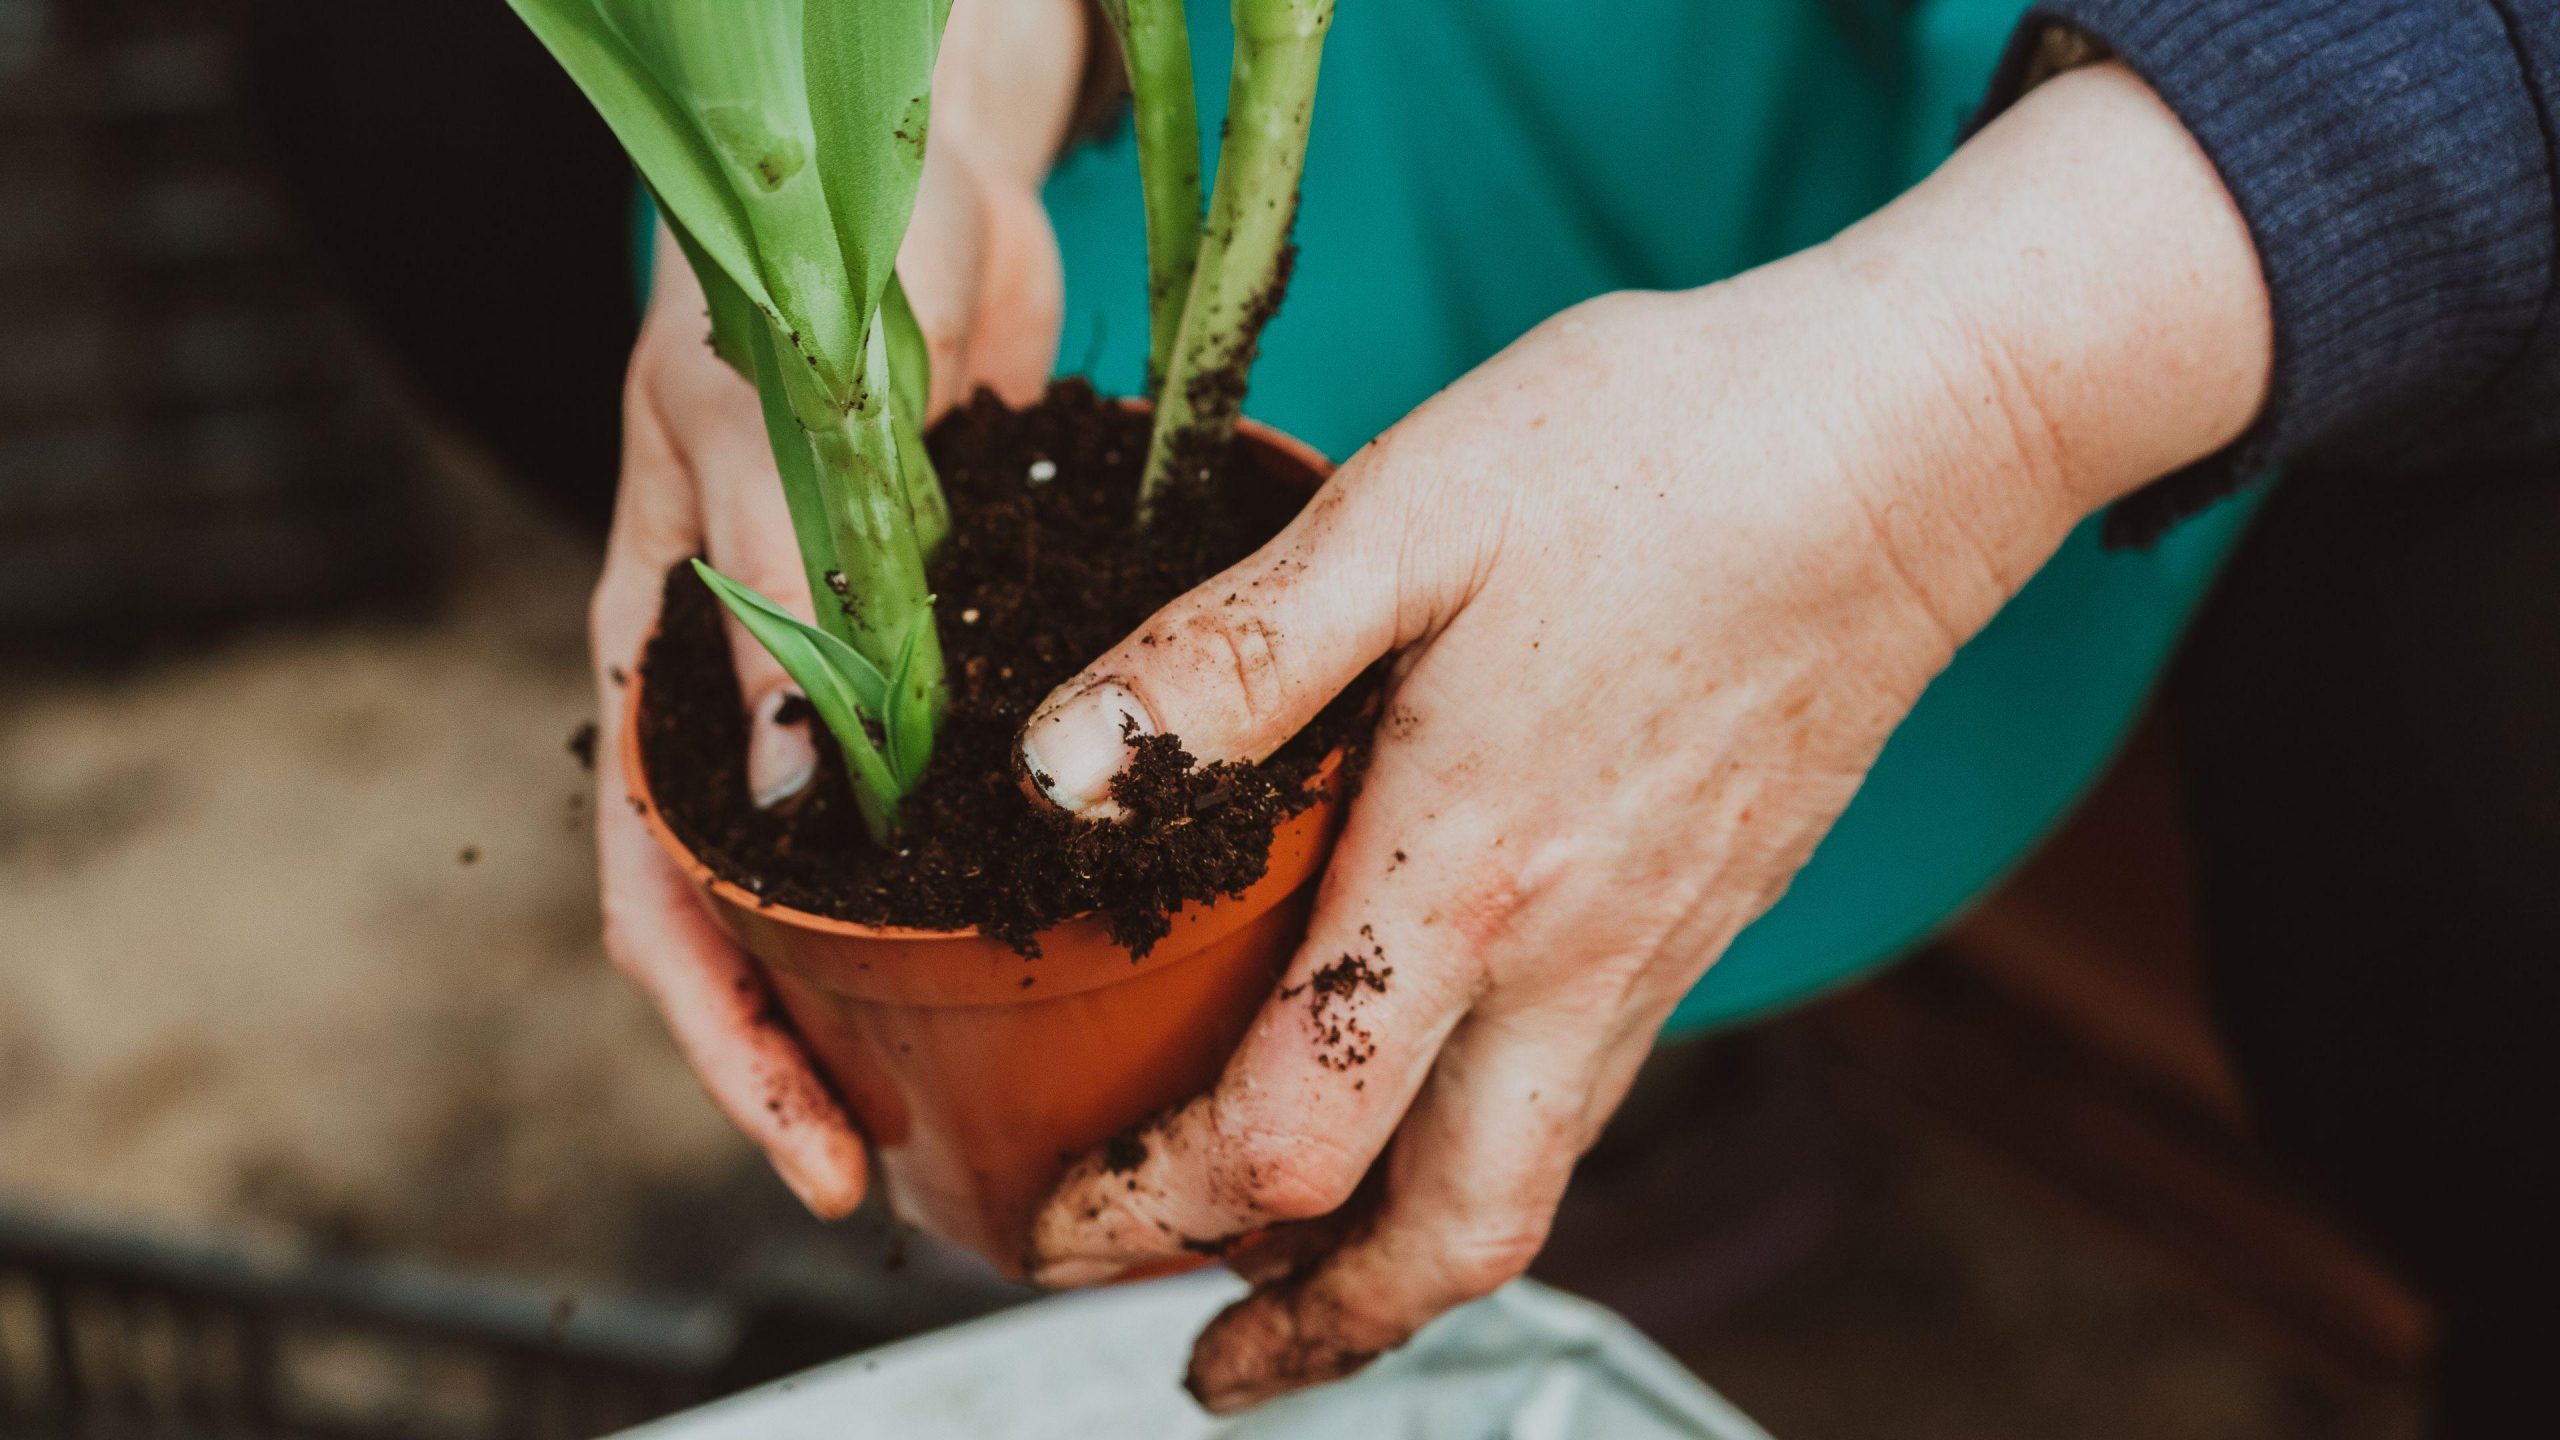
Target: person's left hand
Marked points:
1662	578
1657	616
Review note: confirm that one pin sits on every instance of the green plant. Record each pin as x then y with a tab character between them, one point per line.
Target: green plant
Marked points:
1232	277
783	141
1155	48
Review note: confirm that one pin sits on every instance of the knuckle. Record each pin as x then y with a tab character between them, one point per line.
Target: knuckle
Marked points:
1249	649
649	382
1613	305
1287	1174
1485	1256
621	949
640	378
632	940
1290	1183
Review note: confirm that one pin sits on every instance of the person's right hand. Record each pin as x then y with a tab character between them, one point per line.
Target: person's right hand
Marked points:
981	266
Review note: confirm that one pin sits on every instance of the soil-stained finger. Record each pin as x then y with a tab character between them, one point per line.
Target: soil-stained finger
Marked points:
1470	1190
1325	1073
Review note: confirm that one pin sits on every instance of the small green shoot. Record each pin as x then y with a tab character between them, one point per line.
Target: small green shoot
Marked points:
1237	275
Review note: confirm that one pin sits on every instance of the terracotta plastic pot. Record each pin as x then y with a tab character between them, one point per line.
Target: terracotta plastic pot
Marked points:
977	1074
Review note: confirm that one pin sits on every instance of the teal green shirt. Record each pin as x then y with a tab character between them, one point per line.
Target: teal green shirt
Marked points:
1478	165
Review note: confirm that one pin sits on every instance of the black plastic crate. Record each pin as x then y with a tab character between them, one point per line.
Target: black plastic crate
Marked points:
107	1335
187	437
113	1334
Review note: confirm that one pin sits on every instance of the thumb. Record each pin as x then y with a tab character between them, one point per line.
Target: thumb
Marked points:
1243	662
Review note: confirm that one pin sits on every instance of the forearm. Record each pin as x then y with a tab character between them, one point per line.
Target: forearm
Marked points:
2393	162
2083	248
1008	79
2067	309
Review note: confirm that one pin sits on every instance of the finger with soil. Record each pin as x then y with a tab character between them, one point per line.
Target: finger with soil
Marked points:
1470	1189
1313	1091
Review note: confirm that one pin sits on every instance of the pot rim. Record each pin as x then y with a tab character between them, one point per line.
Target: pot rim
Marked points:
635	774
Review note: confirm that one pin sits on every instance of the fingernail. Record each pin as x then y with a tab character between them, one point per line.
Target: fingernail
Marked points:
1076	1274
781	758
1075	747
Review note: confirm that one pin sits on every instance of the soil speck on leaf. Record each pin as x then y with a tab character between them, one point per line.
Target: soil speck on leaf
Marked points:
582	745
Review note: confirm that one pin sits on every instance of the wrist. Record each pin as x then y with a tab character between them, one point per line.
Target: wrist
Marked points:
1840	415
2087	284
1965	484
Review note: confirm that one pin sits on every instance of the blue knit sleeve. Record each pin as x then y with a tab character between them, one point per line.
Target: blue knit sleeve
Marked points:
2397	166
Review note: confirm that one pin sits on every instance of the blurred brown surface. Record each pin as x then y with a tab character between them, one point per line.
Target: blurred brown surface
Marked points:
248	979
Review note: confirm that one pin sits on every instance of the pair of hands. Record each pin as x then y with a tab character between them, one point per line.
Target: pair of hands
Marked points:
1661	578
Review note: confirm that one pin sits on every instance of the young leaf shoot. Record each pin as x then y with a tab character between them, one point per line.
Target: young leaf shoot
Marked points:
1237	277
1155	46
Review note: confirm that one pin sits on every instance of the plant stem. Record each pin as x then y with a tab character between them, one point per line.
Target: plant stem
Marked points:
879	582
924	488
919	520
911	376
1235	285
1155	46
854	516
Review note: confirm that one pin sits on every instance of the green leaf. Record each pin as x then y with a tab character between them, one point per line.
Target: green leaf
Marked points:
910	380
842	687
910	358
1155	51
907	725
734	68
869	69
770	624
656	128
803	489
783	141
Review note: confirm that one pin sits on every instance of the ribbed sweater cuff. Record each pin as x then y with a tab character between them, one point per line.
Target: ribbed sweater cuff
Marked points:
2392	165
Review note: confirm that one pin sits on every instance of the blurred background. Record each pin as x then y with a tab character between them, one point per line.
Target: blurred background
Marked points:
321	1113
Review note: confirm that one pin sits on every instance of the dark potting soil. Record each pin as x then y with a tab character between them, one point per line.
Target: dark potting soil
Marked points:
1037	579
